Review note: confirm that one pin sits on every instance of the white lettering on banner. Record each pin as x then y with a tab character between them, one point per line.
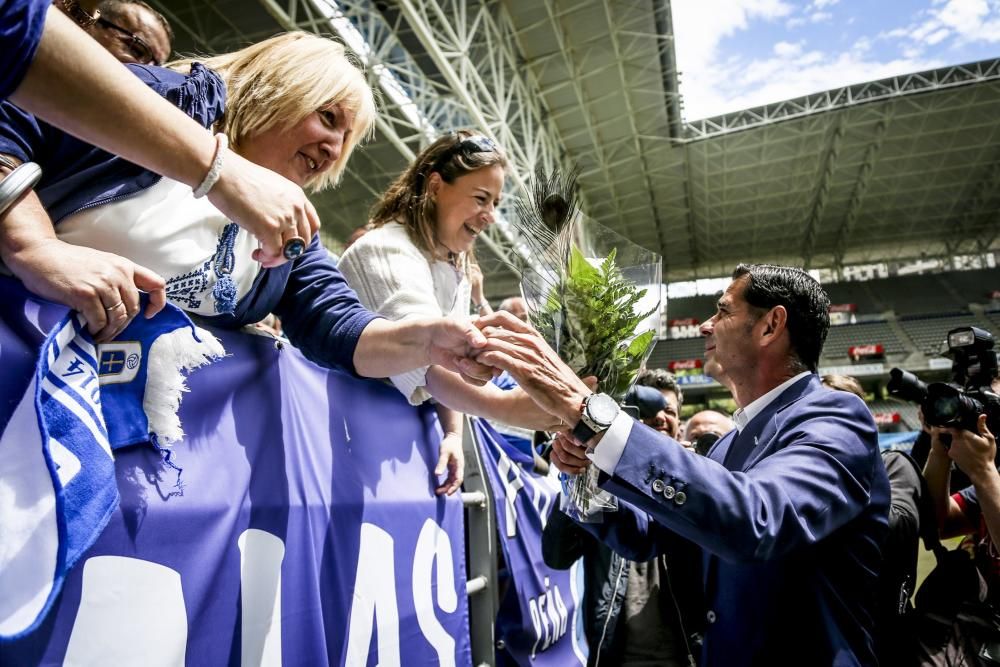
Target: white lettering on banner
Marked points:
685	331
549	617
510	488
544	496
434	547
261	554
131	613
374	600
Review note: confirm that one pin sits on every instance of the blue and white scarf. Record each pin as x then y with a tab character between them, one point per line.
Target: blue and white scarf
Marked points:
57	474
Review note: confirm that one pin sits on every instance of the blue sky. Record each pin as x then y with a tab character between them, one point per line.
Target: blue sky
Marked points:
735	54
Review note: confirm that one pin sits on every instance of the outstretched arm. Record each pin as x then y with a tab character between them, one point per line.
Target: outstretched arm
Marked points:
512	407
79	87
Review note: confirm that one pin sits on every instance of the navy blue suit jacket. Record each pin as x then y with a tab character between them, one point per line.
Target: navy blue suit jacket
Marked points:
790	515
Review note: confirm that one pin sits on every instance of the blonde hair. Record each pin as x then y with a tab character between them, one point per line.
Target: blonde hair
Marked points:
407	200
846	383
280	81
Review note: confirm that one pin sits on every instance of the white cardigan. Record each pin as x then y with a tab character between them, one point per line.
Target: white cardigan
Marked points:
394	278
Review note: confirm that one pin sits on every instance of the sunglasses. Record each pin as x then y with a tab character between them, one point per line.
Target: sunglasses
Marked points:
139	49
474	144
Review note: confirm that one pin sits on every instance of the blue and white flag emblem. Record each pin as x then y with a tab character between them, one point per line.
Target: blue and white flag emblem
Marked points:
57	475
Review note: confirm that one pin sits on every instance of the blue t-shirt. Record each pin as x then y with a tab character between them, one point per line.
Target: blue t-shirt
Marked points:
21	25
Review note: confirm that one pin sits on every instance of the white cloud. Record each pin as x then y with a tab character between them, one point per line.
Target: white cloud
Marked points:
963	20
706	22
787	49
763	82
937	36
716	80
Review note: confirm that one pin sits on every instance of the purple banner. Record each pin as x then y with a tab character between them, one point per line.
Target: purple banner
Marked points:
306	533
545	626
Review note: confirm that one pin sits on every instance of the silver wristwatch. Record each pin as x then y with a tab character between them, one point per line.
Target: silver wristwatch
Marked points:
596	415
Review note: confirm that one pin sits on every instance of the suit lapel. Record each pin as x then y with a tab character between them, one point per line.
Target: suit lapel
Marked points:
758	438
720	449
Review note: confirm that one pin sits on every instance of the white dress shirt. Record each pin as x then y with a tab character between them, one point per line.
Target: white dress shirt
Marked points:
743	416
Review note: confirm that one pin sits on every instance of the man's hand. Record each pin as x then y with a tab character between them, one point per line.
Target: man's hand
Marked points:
454	345
452	459
568	455
266	204
974	453
102	286
517	348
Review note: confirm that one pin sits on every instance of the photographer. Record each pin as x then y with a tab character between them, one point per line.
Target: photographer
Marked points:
975	512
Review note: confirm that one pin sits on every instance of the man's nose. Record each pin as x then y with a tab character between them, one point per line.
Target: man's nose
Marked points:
707	326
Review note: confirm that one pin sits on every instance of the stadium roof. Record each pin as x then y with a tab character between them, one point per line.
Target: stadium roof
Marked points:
894	169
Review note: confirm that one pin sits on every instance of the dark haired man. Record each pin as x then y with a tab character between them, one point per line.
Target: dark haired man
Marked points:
790	508
133	32
667	419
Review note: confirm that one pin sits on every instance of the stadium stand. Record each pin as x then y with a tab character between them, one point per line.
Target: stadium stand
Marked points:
909	419
858	293
840	339
699	307
928	333
918	295
975	284
667	350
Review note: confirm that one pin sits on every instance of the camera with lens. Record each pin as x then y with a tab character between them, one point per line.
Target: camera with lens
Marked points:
957	404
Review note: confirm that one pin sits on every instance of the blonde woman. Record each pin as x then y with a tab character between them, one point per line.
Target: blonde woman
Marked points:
418	261
295	104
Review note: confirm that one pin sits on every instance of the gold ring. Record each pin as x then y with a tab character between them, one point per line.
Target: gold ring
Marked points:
120	303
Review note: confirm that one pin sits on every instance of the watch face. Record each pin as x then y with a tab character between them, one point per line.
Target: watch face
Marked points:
602	409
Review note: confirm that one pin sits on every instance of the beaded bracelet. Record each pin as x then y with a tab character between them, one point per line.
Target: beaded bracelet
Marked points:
212	177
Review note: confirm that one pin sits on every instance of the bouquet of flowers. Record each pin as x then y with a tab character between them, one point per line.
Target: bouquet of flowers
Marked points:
582	285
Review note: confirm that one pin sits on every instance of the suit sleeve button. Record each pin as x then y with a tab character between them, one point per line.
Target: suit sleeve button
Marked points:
658	485
680	498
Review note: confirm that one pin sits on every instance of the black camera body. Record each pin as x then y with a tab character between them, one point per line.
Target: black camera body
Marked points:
958	404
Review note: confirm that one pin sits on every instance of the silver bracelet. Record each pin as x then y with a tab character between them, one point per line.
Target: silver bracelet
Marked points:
212	177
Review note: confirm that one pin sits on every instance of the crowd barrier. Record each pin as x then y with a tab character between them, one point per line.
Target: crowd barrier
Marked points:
302	528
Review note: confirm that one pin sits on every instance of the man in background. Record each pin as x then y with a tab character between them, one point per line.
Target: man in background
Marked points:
704	428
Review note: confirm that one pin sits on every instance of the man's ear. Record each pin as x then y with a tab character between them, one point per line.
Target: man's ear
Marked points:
774	322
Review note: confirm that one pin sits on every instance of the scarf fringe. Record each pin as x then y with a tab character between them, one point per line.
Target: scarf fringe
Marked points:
169	355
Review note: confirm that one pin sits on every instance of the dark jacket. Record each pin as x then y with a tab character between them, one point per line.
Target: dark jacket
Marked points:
606	577
792	533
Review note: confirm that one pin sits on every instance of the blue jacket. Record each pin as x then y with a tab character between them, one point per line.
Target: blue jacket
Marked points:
791	537
21	24
320	313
